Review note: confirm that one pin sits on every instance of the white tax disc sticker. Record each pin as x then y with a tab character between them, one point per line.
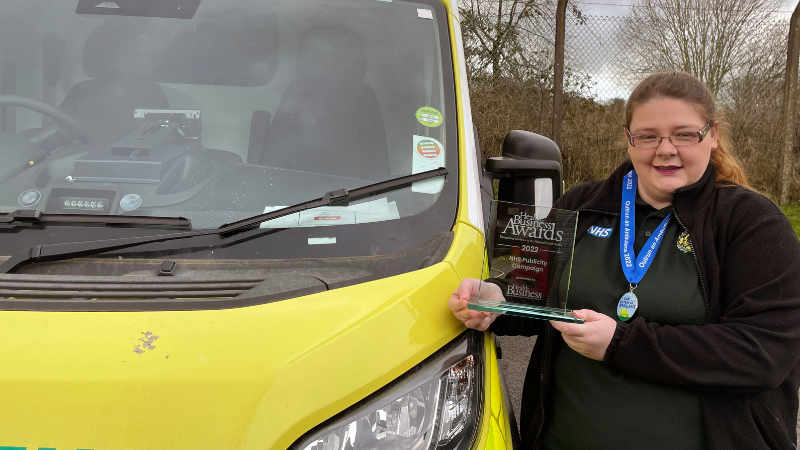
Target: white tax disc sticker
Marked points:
321	240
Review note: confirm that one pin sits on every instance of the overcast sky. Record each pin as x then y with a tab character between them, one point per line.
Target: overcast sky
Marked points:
591	49
618	7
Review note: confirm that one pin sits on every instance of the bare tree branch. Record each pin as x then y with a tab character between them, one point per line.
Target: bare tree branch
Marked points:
707	38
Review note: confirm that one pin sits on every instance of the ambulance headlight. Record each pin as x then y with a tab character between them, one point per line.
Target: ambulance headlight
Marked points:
436	405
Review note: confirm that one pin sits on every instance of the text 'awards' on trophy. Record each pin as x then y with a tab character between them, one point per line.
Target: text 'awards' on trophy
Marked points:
529	262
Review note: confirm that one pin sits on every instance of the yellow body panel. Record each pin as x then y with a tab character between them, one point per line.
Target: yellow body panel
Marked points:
250	378
495	431
256	377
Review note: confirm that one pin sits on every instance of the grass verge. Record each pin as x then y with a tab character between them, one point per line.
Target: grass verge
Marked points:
793	213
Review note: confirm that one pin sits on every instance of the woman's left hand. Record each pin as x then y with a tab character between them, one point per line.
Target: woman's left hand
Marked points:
591	338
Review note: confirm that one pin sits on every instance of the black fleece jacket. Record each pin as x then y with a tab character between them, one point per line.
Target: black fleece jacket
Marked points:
743	362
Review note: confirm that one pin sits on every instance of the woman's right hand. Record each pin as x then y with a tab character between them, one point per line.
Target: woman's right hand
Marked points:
470	287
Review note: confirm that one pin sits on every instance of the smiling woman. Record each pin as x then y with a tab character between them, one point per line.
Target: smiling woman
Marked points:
665	166
693	344
681	106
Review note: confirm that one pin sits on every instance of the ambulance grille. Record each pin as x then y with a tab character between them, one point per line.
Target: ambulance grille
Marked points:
18	286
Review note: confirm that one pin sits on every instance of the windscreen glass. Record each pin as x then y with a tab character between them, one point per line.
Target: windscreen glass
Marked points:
218	110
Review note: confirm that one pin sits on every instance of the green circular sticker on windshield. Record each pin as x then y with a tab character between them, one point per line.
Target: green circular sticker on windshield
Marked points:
430	117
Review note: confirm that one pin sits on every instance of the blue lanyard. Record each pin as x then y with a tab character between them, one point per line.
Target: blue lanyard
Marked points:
633	267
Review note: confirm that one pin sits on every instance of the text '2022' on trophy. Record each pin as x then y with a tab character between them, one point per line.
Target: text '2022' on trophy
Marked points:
529	258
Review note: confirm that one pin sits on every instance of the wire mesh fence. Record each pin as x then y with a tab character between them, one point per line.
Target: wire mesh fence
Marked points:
606	56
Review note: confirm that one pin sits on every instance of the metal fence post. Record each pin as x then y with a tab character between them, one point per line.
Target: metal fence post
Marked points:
558	71
789	107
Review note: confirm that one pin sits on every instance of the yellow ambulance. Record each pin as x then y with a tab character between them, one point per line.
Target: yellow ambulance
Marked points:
235	224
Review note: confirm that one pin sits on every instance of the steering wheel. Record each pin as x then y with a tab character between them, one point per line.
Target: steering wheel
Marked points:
61	131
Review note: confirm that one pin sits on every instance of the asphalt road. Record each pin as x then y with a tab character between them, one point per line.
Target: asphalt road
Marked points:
516	351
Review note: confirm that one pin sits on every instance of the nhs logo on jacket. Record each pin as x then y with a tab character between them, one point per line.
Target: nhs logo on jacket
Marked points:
600	231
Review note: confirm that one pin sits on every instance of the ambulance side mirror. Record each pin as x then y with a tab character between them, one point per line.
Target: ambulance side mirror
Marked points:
529	170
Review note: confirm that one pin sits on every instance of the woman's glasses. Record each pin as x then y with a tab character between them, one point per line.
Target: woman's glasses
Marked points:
681	139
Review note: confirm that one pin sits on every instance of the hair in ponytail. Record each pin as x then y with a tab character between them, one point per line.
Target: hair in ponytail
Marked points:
682	86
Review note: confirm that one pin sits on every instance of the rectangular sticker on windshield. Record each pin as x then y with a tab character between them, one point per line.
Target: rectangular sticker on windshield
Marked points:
326	216
428	154
424	13
377	210
321	240
289	221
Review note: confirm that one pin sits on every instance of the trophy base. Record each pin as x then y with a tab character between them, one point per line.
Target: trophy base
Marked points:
521	310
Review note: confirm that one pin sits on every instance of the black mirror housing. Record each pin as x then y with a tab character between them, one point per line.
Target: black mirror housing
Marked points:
527	157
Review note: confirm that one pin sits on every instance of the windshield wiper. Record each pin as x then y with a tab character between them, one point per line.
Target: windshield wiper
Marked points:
22	217
341	197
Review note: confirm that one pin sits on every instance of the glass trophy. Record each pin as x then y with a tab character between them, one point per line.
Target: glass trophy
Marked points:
529	249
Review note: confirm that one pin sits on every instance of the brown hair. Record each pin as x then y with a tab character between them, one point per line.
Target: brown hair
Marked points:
682	86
